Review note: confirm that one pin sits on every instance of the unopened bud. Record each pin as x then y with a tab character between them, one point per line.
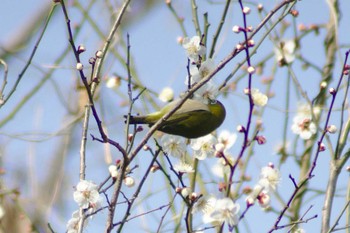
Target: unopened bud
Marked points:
322	147
92	60
323	84
239	47
263	199
185	191
249	28
260	139
194	196
154	168
260	7
99	54
251	43
179	39
145	147
222	186
246	10
250	201
113	170
332	91
295	13
240	128
251	70
302	27
236	29
129	181
130	137
81	49
79	66
331	129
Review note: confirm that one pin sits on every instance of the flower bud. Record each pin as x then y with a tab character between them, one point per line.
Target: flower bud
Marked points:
239	46
260	139
185	192
240	128
331	129
251	70
251	43
129	181
332	91
154	168
295	13
323	84
145	147
322	147
236	29
81	49
79	66
99	54
246	10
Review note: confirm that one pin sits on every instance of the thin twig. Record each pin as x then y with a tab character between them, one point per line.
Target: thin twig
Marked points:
31	56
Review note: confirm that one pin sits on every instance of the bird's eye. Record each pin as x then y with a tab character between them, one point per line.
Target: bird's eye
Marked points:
212	101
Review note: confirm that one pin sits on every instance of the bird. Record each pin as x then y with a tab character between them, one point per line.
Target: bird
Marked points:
193	119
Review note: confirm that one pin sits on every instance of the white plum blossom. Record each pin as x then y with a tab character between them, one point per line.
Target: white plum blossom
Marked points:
208	91
113	170
166	95
193	48
269	178
225	210
204	146
185	192
259	98
197	74
286	51
73	223
302	122
173	145
253	195
227	138
183	167
304	127
205	205
87	195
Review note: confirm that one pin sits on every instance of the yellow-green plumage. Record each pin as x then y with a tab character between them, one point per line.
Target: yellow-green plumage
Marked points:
192	120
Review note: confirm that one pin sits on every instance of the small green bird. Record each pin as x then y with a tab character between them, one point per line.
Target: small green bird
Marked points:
192	120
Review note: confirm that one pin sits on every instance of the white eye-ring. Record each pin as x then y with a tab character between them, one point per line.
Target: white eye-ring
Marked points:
212	101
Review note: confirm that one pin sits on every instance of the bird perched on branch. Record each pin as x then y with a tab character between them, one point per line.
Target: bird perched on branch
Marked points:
192	120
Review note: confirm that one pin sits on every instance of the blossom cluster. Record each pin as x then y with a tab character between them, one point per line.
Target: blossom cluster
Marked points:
268	181
215	210
89	200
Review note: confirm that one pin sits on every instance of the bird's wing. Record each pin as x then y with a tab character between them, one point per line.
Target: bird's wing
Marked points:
188	106
185	119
